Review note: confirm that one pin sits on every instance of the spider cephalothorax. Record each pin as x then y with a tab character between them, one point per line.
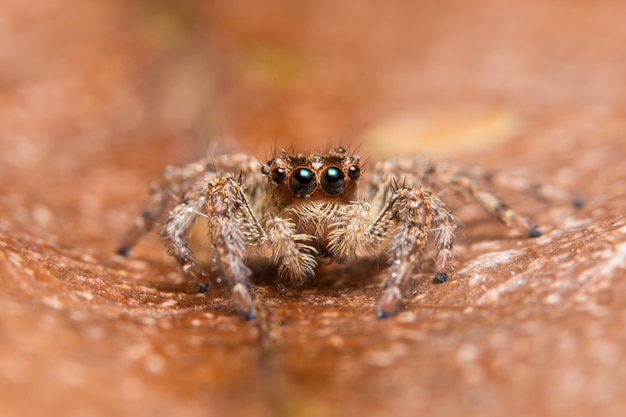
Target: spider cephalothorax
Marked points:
298	179
298	208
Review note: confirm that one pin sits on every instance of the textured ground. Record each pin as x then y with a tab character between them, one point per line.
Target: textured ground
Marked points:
97	97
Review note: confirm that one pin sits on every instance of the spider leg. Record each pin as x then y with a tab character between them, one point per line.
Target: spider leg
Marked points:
175	181
233	230
472	181
236	233
417	213
506	215
403	227
464	182
144	221
521	183
231	227
175	230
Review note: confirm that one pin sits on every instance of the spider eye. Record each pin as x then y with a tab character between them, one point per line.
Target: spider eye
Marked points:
333	181
302	182
354	172
278	175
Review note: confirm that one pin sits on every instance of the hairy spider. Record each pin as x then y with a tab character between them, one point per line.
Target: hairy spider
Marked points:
298	208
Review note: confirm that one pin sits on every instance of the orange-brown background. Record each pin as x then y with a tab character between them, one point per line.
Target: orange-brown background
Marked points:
97	97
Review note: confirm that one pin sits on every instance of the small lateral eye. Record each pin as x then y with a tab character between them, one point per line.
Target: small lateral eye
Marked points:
333	181
278	175
354	172
302	182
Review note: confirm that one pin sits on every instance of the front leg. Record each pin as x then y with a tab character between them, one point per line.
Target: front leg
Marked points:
232	230
418	214
401	232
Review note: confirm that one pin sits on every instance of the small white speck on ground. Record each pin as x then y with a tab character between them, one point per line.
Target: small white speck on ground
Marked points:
154	363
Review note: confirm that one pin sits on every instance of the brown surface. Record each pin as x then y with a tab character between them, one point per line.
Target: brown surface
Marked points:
97	97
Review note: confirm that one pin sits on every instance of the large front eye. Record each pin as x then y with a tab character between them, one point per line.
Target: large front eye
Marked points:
333	181
302	182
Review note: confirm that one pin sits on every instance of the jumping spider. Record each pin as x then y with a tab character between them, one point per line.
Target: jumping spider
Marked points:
298	208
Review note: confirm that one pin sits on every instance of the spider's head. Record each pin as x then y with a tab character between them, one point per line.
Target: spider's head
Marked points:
313	177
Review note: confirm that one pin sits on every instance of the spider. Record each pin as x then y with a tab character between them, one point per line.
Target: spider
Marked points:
296	209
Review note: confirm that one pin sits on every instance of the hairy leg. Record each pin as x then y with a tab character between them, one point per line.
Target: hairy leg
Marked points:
175	182
418	214
468	181
175	230
402	232
232	229
523	184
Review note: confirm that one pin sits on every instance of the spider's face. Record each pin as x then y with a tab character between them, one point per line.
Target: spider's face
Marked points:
313	177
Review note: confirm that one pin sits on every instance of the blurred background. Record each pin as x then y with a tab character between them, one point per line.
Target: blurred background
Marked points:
298	72
97	97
